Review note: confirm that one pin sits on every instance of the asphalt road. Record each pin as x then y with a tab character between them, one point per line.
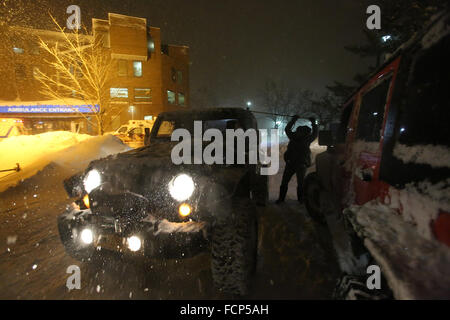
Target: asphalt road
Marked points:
295	257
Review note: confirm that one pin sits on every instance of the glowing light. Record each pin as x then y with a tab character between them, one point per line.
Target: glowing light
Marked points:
386	38
184	210
134	243
86	201
87	236
182	187
92	180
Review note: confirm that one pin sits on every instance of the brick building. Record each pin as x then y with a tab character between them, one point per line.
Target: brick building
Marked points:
150	77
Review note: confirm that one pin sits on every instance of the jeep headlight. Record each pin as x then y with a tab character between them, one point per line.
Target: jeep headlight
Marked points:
181	187
92	180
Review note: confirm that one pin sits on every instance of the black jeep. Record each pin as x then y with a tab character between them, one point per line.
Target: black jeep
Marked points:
140	204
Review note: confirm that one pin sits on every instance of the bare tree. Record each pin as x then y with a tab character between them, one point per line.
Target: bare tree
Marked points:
79	67
324	107
278	100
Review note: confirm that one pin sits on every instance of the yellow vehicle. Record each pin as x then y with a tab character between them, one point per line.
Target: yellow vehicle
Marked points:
10	127
133	133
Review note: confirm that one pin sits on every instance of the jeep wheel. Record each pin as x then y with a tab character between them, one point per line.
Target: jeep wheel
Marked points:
312	197
350	287
234	248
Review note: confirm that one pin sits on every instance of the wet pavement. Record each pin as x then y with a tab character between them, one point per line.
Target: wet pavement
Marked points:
295	256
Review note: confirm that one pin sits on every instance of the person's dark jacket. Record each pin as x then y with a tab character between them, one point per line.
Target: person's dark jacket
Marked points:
298	152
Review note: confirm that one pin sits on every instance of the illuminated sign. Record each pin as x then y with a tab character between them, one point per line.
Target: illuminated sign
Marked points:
43	108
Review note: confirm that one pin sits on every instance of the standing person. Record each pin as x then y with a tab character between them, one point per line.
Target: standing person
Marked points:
297	156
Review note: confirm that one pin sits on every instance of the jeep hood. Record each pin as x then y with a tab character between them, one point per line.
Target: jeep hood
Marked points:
147	171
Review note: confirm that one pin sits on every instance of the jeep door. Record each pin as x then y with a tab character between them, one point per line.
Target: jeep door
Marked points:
364	144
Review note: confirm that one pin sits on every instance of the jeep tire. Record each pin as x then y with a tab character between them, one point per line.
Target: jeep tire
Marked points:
234	248
312	192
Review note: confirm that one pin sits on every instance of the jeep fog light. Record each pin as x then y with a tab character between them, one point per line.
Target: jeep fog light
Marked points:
87	236
134	243
184	210
92	180
182	187
86	201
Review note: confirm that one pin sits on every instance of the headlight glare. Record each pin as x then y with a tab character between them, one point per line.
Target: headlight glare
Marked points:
134	243
181	187
92	180
87	236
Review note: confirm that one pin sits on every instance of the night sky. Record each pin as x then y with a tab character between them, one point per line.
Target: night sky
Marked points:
235	46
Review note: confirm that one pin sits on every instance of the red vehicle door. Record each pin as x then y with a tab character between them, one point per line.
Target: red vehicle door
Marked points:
365	137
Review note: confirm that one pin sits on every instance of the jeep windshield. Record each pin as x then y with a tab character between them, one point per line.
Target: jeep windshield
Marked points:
165	127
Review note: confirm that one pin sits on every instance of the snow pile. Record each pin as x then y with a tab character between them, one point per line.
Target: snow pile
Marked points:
434	155
66	149
421	203
415	267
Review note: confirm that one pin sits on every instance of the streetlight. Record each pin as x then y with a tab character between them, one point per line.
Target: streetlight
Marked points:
386	38
249	104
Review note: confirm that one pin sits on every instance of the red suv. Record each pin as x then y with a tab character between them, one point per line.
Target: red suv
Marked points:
382	186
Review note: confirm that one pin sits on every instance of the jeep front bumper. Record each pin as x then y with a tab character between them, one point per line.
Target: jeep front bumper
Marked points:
148	238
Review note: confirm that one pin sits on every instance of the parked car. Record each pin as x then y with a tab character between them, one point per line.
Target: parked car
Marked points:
133	133
382	186
141	205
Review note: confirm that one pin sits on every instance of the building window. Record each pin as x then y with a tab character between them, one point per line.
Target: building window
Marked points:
35	72
34	49
181	99
18	50
20	72
180	76
137	68
151	45
123	68
118	92
171	97
143	94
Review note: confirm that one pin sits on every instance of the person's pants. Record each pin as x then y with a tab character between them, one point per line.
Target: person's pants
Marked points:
299	170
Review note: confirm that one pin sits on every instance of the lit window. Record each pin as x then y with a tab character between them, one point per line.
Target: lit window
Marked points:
170	97
137	68
18	50
34	49
35	72
151	45
20	72
118	92
142	94
181	99
123	69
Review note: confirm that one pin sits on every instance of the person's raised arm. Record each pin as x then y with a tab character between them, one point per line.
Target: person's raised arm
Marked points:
315	129
289	126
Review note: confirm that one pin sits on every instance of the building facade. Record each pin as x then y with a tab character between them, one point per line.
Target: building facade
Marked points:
148	76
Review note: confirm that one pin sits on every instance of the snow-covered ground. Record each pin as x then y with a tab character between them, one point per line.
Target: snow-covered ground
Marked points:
68	150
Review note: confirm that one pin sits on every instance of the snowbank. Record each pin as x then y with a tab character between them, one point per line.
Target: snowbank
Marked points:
66	149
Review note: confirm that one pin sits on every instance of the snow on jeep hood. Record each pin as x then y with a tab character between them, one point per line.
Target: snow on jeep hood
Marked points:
148	169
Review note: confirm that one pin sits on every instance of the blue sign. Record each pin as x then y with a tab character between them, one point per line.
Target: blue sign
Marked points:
45	108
